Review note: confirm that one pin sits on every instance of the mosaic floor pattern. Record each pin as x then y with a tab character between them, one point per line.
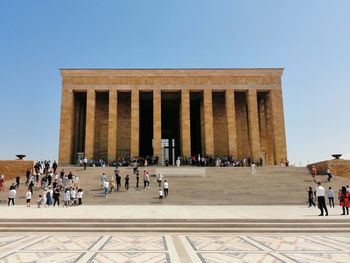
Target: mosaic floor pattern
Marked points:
170	248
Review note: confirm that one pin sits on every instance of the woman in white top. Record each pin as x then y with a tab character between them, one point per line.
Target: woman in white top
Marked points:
80	196
28	197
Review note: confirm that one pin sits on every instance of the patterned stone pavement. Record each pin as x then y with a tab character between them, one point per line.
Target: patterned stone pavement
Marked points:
158	248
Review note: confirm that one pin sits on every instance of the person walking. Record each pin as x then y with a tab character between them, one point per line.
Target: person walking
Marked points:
311	197
160	195
18	180
330	194
105	187
166	188
159	179
119	179
80	196
252	169
145	180
127	182
329	174
28	198
66	197
137	178
56	197
344	200
320	199
85	161
11	196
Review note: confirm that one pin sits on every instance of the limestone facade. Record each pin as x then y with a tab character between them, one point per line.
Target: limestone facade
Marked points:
111	113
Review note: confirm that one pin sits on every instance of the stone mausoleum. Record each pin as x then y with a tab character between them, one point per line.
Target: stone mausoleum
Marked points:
108	113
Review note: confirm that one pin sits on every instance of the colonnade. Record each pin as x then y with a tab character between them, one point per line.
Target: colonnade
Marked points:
254	124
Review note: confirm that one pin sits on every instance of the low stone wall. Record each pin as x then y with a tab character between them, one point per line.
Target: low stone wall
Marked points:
338	167
11	168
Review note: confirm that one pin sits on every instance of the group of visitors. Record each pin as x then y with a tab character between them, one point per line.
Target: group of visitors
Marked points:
114	183
53	187
320	194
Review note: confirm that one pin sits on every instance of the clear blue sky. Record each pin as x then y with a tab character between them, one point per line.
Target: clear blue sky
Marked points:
310	39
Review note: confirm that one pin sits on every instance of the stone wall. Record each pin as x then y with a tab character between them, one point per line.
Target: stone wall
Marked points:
338	167
11	168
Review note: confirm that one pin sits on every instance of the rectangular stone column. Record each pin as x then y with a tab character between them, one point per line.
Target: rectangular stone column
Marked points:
208	121
185	123
231	123
279	135
253	118
157	122
90	123
135	122
66	128
112	125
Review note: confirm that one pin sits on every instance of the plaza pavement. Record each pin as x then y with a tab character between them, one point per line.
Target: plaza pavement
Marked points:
167	246
189	227
162	211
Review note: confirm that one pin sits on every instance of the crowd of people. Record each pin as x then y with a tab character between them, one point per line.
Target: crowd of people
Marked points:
50	186
195	160
320	194
115	182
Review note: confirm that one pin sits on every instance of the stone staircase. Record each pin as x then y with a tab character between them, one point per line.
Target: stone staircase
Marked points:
217	186
177	225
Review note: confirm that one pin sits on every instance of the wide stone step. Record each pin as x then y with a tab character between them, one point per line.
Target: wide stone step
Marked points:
149	225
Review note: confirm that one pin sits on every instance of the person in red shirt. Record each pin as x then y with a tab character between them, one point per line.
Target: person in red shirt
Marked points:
344	200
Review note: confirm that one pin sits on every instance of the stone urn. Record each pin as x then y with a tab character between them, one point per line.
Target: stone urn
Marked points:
20	156
336	156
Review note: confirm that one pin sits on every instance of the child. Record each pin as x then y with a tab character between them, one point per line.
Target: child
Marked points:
160	195
28	197
40	201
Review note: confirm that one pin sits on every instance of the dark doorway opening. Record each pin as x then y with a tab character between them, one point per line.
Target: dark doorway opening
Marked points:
195	120
79	125
171	120
146	124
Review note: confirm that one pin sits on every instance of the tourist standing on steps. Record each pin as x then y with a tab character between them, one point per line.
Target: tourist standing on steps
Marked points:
320	199
160	195
80	196
166	188
105	187
127	182
119	179
85	161
330	194
159	178
311	197
11	196
329	174
18	180
252	169
56	197
54	166
137	178
145	180
111	184
344	200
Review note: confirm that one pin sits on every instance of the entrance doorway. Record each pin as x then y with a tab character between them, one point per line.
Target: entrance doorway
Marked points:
171	123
